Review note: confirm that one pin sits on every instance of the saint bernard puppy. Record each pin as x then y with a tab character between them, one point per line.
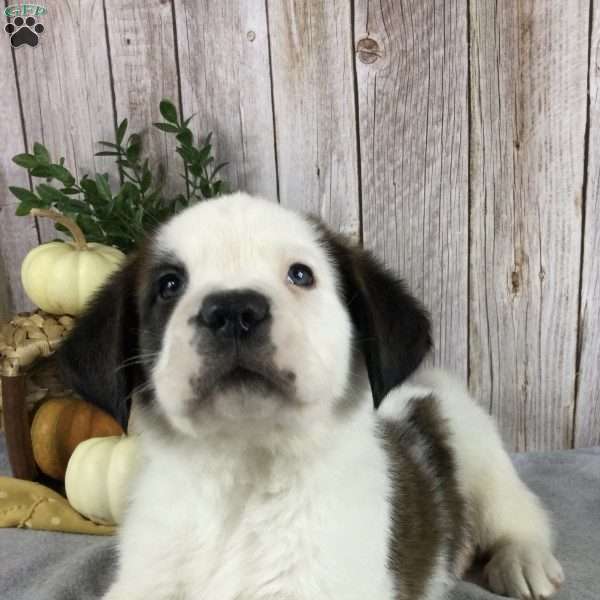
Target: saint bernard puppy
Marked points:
292	448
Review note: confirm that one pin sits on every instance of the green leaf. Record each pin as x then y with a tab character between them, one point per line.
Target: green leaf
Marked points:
62	174
89	187
75	207
28	161
217	169
121	129
107	153
196	169
206	189
42	171
185	137
134	138
205	153
63	230
166	127
134	147
168	111
90	227
103	187
24	209
129	192
41	153
146	180
109	144
71	191
187	121
51	194
179	202
23	194
219	187
189	154
154	199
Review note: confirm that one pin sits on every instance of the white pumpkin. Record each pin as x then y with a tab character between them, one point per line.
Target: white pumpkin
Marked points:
98	477
60	277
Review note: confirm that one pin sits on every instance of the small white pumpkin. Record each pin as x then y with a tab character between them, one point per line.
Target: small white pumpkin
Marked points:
60	277
98	477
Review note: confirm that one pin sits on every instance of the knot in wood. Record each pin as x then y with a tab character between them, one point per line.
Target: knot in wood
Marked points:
515	280
251	36
368	50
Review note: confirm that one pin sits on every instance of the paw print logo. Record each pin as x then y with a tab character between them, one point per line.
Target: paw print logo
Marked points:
24	31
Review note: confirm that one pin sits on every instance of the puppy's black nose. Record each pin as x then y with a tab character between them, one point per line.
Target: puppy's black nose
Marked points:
234	314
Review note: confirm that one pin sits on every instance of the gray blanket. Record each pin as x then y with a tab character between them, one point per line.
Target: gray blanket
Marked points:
38	565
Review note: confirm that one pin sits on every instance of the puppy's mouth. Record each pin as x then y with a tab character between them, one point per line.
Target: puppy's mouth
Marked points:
245	376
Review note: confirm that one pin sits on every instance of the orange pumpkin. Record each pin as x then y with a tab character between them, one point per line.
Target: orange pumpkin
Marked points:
59	425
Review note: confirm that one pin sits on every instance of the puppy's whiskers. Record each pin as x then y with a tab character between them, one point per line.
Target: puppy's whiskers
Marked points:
140	389
138	359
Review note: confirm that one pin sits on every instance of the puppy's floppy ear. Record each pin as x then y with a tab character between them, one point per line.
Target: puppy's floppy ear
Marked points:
93	357
391	327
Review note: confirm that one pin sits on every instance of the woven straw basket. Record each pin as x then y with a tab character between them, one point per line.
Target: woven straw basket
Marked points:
27	343
29	375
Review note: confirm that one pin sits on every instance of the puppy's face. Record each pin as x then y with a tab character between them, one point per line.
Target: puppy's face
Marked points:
242	319
242	316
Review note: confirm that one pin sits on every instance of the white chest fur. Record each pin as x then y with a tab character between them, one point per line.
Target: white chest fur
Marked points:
257	527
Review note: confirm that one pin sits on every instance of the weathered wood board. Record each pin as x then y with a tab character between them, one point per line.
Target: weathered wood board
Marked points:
17	234
315	113
528	115
412	67
587	422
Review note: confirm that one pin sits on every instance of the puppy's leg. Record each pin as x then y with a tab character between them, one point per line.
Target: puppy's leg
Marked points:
510	524
150	568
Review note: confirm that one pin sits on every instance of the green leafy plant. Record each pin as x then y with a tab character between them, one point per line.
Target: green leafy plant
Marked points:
122	218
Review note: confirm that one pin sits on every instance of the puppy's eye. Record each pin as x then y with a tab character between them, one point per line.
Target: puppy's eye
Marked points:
301	275
170	286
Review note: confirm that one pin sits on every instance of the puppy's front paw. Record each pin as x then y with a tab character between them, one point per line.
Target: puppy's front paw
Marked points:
525	571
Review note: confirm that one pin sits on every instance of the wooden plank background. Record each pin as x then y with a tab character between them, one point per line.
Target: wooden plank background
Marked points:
528	116
457	139
587	423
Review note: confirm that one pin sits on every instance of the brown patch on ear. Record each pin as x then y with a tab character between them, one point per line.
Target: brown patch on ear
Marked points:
391	327
93	358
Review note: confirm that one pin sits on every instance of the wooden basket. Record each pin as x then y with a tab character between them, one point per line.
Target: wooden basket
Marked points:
29	375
